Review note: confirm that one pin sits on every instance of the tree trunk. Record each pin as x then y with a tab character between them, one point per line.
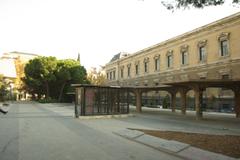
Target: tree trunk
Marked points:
47	90
61	92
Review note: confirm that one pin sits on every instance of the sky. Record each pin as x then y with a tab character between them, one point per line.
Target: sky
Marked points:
97	29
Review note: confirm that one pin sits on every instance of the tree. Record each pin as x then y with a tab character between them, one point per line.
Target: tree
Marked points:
194	3
19	65
96	77
2	88
52	78
48	68
39	72
68	71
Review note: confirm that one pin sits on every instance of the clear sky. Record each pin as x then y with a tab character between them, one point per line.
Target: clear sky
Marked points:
97	29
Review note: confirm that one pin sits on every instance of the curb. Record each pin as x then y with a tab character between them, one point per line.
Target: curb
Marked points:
106	116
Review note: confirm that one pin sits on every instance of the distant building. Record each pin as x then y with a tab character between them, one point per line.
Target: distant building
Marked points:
12	68
23	57
7	68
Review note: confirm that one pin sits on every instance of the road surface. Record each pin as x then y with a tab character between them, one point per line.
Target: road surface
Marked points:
32	131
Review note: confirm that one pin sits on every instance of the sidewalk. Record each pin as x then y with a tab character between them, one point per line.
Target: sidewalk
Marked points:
176	148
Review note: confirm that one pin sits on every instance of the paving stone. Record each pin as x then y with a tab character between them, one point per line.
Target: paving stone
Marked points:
162	144
131	134
199	154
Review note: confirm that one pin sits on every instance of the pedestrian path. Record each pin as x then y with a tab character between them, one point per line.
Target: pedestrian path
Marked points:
113	128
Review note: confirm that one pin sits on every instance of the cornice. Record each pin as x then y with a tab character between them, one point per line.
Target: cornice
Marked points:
217	25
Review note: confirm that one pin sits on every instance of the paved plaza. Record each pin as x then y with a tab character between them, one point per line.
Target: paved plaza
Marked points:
50	131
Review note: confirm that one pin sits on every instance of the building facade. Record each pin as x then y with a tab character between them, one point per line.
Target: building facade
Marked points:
12	68
208	52
211	52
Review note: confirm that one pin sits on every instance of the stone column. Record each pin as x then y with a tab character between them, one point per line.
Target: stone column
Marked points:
183	94
198	99
173	101
237	101
138	101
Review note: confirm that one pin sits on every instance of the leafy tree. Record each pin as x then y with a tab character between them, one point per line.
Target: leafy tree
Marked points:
2	88
96	77
19	65
39	72
194	3
51	77
48	67
68	71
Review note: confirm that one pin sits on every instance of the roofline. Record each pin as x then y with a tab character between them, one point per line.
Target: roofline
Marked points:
97	86
187	34
24	53
196	30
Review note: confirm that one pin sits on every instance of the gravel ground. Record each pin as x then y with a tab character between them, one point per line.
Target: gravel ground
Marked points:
225	144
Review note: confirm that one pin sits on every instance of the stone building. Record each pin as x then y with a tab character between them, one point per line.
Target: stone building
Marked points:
12	68
211	52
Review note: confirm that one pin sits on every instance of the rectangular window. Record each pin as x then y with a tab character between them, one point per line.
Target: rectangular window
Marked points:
225	76
184	58
137	69
114	75
202	54
121	72
145	67
107	75
129	71
110	75
224	47
169	61
157	64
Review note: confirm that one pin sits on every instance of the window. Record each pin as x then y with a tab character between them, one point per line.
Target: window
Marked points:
169	61
224	47
202	53
184	58
145	67
137	69
121	72
225	76
129	71
184	54
202	78
223	39
110	75
107	75
114	75
146	63
157	64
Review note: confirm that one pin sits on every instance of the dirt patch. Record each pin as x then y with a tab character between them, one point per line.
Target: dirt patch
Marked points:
225	144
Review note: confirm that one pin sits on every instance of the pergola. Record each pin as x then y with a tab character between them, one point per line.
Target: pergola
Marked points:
198	86
92	100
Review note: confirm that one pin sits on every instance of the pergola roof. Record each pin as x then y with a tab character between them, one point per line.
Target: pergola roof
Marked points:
97	86
202	83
